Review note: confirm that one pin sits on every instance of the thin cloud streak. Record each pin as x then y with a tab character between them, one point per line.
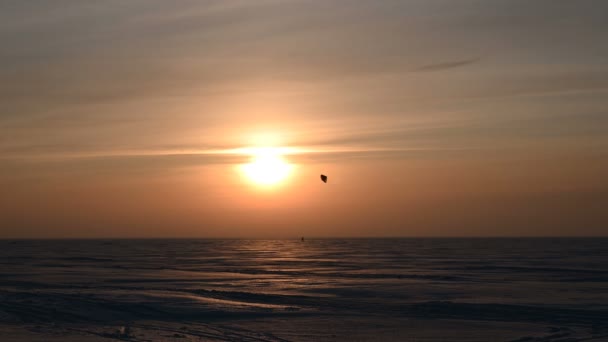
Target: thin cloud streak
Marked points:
228	156
448	65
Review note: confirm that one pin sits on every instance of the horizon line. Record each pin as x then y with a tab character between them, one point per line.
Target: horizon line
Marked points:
314	237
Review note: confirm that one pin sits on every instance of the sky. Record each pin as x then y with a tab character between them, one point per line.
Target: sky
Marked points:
430	117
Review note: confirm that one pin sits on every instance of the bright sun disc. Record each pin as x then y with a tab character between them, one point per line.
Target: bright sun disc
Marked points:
266	168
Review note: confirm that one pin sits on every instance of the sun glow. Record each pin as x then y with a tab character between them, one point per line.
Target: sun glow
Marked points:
267	167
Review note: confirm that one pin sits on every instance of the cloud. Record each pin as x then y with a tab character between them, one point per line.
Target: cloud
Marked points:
115	78
448	65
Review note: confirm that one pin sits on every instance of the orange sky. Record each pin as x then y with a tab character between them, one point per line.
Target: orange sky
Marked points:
431	118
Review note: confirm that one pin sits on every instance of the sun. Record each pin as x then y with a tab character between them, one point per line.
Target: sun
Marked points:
267	167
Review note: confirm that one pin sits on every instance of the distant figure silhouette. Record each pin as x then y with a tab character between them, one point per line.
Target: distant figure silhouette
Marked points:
302	238
324	178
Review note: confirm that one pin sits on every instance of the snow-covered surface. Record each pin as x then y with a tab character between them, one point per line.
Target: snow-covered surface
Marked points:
313	290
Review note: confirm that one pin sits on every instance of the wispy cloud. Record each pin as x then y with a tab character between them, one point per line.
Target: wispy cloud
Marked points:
447	65
122	79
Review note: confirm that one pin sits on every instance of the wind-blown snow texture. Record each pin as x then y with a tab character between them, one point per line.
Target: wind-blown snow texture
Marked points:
330	289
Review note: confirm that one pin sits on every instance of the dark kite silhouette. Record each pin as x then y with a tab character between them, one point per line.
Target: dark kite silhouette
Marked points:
324	178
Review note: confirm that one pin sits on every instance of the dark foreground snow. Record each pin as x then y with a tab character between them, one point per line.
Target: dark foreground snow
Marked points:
317	290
